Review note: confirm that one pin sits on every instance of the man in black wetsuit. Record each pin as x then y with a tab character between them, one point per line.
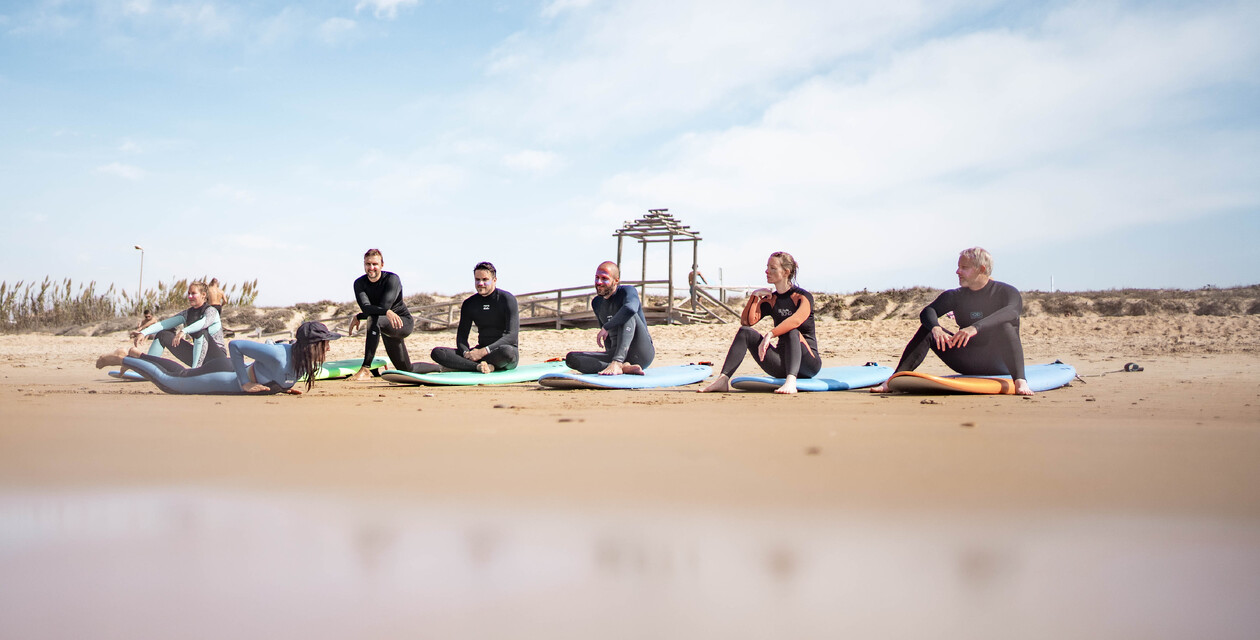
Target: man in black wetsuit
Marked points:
987	312
494	312
380	297
623	329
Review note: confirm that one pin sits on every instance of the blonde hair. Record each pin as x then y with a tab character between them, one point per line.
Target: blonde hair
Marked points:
978	257
787	262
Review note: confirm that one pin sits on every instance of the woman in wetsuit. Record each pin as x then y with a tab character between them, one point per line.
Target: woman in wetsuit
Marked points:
201	325
791	308
275	367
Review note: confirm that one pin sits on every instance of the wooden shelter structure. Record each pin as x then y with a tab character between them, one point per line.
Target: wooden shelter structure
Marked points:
659	226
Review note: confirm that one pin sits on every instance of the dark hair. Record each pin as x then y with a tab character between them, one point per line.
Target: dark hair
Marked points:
787	262
308	357
486	266
374	252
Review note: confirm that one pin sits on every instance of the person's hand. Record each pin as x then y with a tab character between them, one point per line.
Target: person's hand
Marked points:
136	338
254	387
762	293
600	338
613	369
354	325
764	346
395	320
963	336
940	337
477	354
179	337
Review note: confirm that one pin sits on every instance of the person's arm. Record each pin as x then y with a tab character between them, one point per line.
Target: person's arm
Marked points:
1010	306
208	317
803	309
169	323
392	289
752	310
930	316
630	306
512	335
465	326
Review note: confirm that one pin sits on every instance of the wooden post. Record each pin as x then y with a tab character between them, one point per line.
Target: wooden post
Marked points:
669	299
620	237
559	309
695	270
643	287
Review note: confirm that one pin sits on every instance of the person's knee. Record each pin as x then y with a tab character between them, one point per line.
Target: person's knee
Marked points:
166	338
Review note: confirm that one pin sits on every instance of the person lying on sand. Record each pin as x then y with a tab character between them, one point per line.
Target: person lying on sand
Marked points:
987	342
275	367
498	322
791	308
623	332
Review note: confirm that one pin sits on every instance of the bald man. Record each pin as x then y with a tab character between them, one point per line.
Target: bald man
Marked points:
623	332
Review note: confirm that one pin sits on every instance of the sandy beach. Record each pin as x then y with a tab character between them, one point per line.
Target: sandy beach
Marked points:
1123	506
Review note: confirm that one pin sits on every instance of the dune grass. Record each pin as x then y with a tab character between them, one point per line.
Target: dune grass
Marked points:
47	305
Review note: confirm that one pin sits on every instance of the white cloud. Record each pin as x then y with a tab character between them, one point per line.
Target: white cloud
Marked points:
556	7
129	146
120	170
384	8
228	192
531	161
335	30
137	7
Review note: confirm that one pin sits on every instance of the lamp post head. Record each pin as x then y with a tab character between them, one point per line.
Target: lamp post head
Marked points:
139	248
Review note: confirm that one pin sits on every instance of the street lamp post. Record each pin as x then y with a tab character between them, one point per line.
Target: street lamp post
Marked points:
140	287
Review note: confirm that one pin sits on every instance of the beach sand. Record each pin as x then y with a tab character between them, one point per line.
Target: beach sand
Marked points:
1126	505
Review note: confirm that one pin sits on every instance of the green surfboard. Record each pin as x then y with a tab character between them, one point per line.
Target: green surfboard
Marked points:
346	368
524	373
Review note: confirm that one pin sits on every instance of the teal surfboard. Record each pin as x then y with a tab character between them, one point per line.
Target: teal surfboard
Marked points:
827	379
652	378
523	373
1041	377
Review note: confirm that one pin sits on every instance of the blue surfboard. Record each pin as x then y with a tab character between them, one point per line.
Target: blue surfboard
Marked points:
127	376
827	379
1041	377
652	378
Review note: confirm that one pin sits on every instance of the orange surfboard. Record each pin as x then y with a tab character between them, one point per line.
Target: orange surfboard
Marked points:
1041	377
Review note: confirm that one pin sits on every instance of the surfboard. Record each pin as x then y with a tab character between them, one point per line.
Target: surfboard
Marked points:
524	373
827	379
1041	377
652	378
346	368
127	376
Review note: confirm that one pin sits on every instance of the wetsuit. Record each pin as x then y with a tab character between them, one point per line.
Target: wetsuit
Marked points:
621	315
797	350
498	330
273	366
375	298
201	325
995	349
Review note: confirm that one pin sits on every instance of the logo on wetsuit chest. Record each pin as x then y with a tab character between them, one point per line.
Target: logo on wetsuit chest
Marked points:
976	315
485	307
783	313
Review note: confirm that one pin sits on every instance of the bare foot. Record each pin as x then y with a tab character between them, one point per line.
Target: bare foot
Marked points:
485	367
789	386
613	369
880	388
111	359
721	383
1022	388
632	369
254	387
364	374
293	391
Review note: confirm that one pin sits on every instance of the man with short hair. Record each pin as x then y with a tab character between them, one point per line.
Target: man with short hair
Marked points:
498	322
987	312
380	297
623	329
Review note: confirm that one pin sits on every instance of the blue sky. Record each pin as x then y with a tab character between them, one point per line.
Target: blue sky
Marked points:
1101	144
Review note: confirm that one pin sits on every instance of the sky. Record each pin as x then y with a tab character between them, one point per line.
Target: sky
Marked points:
1087	145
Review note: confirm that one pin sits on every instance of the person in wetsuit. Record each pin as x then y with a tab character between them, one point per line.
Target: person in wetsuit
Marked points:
380	297
791	308
623	332
498	322
275	368
987	311
194	336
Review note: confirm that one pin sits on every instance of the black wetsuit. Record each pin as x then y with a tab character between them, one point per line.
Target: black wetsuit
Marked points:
797	350
498	329
994	311
375	298
621	315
